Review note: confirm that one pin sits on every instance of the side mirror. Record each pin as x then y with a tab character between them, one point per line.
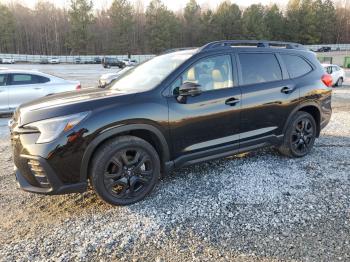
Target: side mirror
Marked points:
188	89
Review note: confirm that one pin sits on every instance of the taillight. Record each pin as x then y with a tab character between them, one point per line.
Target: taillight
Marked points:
327	80
78	87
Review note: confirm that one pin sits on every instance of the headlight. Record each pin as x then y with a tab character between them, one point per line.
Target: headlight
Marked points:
51	128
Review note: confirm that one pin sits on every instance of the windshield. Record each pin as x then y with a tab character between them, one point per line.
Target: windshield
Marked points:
148	75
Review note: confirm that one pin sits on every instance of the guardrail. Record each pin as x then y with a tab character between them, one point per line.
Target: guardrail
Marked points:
70	59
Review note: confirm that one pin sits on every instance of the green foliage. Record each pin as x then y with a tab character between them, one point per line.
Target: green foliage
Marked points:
192	19
162	27
254	22
228	21
311	21
122	18
275	23
7	28
126	27
80	17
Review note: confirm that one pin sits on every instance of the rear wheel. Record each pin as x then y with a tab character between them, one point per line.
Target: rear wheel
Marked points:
340	82
125	170
300	135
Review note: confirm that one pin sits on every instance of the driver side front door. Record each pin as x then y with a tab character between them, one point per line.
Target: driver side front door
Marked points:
207	124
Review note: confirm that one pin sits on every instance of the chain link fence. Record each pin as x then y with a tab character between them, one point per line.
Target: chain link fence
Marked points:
70	59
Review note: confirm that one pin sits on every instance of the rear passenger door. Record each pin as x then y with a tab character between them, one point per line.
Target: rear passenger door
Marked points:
268	97
23	88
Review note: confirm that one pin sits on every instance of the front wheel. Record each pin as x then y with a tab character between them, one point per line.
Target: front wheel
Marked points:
125	170
300	135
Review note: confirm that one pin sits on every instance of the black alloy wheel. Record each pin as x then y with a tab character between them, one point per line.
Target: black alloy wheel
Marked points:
300	135
303	136
125	170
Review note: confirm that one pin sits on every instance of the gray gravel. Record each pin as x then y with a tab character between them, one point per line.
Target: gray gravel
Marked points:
250	207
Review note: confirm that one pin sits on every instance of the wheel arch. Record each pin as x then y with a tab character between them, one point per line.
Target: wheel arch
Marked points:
313	109
144	131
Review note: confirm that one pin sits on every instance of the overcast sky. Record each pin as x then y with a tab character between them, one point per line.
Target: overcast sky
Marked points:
171	4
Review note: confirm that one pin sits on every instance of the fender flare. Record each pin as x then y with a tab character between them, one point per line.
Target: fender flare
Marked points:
115	131
300	106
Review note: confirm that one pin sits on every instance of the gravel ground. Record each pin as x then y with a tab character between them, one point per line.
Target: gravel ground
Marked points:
250	207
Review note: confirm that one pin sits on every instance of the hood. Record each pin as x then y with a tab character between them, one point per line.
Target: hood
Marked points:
69	103
108	76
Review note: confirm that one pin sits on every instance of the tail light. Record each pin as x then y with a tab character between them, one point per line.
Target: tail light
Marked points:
327	80
78	87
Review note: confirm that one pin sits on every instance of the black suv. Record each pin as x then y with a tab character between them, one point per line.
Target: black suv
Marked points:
108	62
177	109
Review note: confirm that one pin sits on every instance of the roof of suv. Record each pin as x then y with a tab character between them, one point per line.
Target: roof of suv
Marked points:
226	44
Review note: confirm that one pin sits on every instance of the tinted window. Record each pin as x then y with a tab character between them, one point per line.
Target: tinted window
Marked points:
210	73
296	65
2	80
260	68
27	79
42	79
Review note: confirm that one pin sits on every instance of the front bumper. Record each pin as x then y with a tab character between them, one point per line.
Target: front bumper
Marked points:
35	175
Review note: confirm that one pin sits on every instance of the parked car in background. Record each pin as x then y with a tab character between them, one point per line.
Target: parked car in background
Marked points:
54	60
107	79
21	86
108	62
7	60
77	60
337	73
97	60
324	49
177	109
44	61
129	62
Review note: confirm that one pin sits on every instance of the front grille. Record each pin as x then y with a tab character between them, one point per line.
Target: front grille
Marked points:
39	173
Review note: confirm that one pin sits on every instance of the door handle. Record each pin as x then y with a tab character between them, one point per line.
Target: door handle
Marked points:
287	90
232	101
37	88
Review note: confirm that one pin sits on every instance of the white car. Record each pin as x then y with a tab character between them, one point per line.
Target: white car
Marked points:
7	60
106	79
54	60
21	86
337	73
129	62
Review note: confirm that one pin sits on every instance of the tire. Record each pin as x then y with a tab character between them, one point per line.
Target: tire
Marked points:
339	82
125	170
300	135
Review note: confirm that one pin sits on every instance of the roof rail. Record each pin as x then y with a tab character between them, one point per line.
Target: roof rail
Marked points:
257	43
177	49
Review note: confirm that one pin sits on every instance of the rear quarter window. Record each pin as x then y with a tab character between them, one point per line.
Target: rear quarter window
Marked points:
259	68
296	65
42	79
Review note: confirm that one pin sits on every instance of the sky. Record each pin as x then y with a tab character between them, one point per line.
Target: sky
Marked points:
171	4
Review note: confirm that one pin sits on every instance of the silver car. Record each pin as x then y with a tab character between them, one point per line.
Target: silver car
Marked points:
21	86
106	79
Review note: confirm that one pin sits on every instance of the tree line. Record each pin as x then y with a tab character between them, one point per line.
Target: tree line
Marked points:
133	28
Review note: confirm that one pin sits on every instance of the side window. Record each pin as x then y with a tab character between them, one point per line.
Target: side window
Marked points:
296	65
2	80
330	70
210	73
42	79
23	79
259	68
